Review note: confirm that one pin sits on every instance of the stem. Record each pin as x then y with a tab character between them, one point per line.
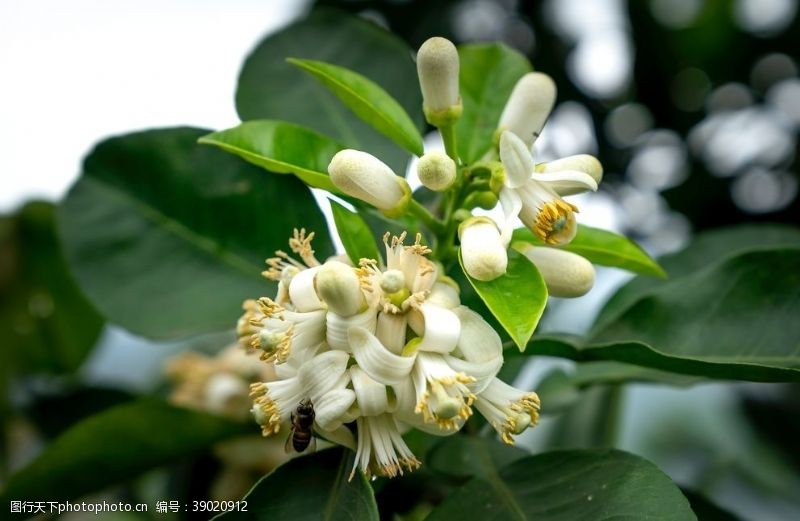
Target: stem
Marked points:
449	138
610	427
422	213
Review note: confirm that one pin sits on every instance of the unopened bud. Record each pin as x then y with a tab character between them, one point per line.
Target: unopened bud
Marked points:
482	199
482	250
566	274
529	106
436	171
366	177
437	68
338	286
579	163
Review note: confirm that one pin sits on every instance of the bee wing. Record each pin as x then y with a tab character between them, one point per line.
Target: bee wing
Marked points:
288	446
312	446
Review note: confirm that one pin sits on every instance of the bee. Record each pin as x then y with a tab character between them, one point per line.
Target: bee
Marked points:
301	436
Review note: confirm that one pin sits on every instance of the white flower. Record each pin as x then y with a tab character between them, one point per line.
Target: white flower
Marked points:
528	106
275	331
275	401
436	170
437	68
483	250
366	177
535	196
565	274
508	409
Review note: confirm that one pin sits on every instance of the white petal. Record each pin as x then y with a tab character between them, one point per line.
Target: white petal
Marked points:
566	274
516	158
391	331
445	295
338	327
580	163
377	361
480	350
442	329
340	436
512	205
370	395
302	292
331	406
323	373
567	182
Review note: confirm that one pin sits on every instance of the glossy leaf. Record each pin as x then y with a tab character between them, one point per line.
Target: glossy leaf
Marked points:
516	299
358	241
311	487
117	445
570	485
469	456
271	88
46	323
489	72
368	101
706	249
280	147
605	248
168	237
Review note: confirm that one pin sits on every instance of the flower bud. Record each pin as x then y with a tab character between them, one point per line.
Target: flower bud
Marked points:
436	171
482	251
338	286
484	199
437	68
529	106
366	177
566	274
579	163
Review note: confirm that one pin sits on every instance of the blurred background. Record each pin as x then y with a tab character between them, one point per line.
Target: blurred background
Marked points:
692	106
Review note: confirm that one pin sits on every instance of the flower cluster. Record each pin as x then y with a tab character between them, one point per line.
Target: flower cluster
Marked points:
378	348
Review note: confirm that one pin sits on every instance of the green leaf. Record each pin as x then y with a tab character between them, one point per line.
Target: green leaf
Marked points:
707	248
117	445
742	311
271	88
516	299
570	485
311	487
604	248
489	72
168	237
358	241
469	456
368	101
46	323
280	147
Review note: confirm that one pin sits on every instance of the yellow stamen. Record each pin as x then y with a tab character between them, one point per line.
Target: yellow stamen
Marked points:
552	218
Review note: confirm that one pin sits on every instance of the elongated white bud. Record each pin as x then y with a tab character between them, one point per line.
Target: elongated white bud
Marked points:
516	158
482	250
366	177
529	106
338	286
566	274
437	171
582	163
437	68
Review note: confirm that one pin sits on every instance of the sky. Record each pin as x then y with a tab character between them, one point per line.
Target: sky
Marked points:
76	72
